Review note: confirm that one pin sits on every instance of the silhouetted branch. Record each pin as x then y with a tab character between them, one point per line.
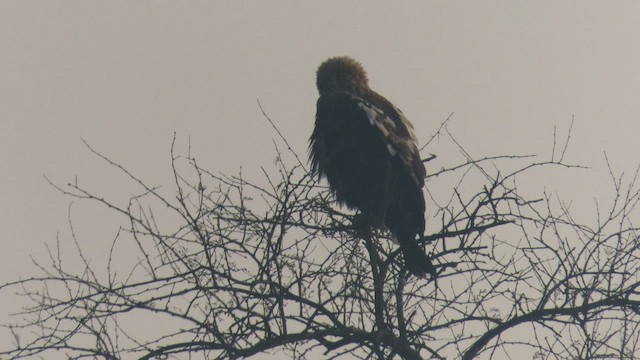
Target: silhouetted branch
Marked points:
227	266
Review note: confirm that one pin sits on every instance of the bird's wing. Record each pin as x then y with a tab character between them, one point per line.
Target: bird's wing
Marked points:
397	131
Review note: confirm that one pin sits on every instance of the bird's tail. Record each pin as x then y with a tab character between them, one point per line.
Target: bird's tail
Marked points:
416	259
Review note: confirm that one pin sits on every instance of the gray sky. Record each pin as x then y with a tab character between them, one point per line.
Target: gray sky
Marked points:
126	75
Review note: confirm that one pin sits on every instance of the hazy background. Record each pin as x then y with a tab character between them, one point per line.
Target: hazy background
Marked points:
126	75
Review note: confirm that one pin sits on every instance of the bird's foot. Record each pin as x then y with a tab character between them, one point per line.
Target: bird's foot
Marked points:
361	226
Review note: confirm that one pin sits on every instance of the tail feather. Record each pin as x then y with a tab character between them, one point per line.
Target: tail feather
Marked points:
416	259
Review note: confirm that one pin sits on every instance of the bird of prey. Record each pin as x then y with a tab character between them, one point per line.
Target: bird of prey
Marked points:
367	150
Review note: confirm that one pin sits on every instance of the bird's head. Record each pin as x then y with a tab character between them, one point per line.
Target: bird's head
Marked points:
341	74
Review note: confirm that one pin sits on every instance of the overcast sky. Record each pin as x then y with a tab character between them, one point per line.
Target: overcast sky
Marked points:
126	75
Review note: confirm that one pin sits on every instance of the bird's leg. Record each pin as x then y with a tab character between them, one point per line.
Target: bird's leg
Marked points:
362	226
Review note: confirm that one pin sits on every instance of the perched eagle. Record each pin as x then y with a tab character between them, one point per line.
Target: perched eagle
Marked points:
365	147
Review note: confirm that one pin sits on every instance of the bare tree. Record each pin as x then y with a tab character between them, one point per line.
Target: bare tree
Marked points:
265	266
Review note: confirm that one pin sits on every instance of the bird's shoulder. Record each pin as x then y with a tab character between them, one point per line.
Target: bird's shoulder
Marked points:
370	107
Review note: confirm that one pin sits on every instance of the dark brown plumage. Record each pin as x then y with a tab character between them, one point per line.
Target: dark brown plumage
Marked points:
366	149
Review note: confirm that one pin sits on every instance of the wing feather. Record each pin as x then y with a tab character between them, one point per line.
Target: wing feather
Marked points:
398	133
